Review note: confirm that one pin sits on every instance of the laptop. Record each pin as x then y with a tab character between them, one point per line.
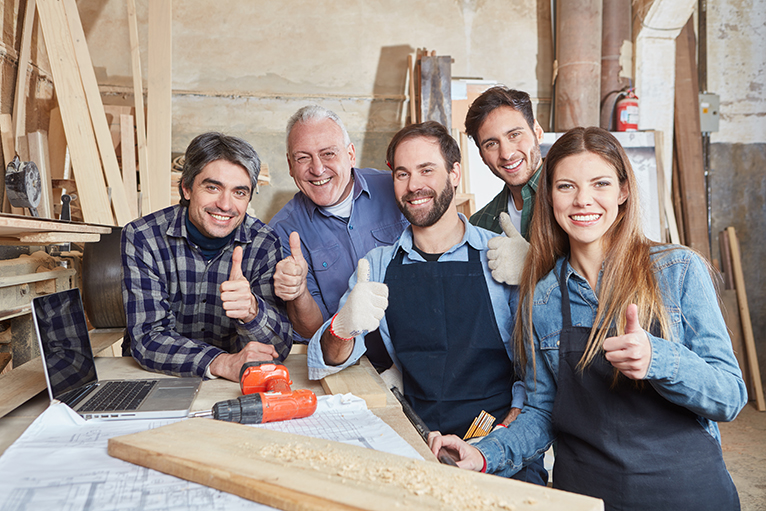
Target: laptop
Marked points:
70	369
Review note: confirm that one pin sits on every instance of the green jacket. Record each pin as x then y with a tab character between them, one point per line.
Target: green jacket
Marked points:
488	217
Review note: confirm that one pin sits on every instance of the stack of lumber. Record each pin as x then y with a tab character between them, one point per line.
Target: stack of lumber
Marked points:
87	141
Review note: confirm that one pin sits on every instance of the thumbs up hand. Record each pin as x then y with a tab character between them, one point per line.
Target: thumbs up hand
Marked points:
290	273
364	308
238	300
630	353
506	253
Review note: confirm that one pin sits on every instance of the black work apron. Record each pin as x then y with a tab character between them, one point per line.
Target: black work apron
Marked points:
626	444
443	328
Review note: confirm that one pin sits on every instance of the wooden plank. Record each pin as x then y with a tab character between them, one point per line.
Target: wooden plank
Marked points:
358	380
13	226
688	143
122	210
57	145
730	310
293	472
5	359
91	186
38	153
138	97
747	325
435	90
128	156
725	256
9	152
20	97
159	102
113	113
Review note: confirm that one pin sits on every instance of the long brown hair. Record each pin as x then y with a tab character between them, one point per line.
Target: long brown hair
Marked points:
627	270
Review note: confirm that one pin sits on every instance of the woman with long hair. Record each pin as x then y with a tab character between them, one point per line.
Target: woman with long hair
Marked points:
628	363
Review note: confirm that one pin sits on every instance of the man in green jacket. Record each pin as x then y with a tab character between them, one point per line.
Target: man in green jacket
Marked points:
503	126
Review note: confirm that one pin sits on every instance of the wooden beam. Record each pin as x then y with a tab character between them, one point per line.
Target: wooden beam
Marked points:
20	98
91	186
122	210
138	98
159	99
358	379
128	155
747	325
38	153
688	141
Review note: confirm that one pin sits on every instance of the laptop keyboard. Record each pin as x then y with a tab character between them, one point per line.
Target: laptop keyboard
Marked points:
119	395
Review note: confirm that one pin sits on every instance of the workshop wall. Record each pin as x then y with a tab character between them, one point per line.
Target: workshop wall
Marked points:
245	67
737	72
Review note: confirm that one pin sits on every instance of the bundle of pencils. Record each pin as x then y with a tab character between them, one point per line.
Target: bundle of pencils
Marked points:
481	426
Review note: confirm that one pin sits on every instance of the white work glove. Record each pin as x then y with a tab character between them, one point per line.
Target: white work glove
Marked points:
364	308
506	253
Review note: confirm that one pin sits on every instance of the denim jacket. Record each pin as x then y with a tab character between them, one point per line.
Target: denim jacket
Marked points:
696	369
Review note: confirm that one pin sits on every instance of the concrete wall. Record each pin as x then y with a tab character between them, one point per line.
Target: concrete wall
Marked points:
245	67
737	72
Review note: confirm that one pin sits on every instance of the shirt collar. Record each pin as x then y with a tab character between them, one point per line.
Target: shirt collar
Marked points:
470	237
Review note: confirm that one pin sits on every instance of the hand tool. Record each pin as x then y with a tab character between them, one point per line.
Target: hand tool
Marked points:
263	407
420	426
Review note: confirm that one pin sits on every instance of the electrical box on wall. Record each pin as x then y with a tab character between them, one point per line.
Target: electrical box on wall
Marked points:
709	113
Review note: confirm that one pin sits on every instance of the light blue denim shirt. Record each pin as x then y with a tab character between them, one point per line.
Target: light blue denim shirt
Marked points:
504	299
696	369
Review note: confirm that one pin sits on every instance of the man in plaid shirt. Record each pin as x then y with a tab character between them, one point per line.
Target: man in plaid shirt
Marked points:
198	277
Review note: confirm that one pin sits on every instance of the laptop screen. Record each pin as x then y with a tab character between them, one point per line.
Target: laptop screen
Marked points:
64	342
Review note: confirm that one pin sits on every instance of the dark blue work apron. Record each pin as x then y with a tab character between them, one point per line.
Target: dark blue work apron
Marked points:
443	328
626	444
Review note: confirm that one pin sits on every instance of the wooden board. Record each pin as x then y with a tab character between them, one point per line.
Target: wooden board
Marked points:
435	90
38	153
122	211
9	152
360	380
747	325
20	97
128	154
294	472
159	99
688	144
730	310
91	186
138	96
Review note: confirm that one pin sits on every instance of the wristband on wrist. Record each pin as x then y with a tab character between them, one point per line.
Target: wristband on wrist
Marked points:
502	425
333	332
484	467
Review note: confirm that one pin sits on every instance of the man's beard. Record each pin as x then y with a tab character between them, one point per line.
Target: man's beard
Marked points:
441	202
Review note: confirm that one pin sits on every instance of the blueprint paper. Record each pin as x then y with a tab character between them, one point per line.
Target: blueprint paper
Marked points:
61	461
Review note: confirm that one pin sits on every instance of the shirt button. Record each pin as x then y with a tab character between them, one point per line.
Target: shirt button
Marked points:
324	264
558	342
350	227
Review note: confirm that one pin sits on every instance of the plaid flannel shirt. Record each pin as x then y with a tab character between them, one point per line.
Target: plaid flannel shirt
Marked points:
175	318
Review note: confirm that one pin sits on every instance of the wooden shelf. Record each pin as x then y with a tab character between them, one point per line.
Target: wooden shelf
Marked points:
24	230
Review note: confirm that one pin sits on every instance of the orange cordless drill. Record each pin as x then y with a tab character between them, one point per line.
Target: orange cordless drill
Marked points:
267	397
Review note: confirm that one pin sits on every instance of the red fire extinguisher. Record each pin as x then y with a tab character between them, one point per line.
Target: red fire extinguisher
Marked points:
626	111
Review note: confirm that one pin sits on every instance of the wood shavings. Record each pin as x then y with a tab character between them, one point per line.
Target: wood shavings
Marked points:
418	480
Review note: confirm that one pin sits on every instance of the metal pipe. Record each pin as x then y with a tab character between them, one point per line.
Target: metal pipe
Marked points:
578	54
616	30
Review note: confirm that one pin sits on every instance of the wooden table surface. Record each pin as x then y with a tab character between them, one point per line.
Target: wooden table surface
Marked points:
211	391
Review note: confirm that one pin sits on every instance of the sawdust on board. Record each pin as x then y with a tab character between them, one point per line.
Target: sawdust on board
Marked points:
453	491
